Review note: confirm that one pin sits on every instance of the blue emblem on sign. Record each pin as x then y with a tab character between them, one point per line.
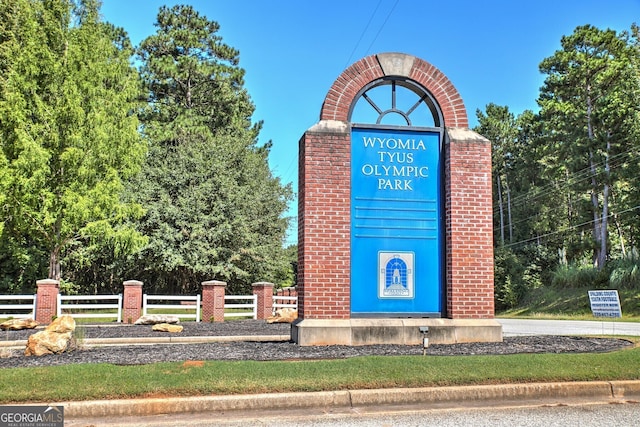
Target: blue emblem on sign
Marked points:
396	275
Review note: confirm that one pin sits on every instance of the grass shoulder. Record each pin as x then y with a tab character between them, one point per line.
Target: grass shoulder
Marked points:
547	302
105	381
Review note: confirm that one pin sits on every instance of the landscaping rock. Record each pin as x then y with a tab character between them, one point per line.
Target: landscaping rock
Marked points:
166	327
154	319
283	315
62	325
18	324
53	340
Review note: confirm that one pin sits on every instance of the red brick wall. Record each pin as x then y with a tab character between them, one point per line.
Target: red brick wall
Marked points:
264	291
132	301
468	226
344	90
324	225
46	300
213	292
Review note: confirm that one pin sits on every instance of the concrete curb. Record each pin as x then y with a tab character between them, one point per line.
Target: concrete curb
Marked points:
98	342
595	391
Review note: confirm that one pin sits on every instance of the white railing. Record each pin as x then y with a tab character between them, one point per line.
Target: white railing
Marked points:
101	310
10	309
253	305
284	302
188	303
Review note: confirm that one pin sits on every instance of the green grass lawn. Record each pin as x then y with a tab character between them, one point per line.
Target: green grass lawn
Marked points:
105	381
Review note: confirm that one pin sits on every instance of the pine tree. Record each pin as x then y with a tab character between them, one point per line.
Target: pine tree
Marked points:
214	210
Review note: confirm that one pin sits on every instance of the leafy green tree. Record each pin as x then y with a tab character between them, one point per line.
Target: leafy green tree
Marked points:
214	210
68	130
589	103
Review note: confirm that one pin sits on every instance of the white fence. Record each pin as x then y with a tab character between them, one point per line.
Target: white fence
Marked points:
18	310
284	302
188	303
71	304
253	305
110	306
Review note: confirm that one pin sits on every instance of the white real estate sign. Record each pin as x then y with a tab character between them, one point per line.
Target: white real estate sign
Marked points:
605	303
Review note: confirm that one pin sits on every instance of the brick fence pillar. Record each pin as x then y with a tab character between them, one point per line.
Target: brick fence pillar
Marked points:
132	301
47	300
264	291
213	301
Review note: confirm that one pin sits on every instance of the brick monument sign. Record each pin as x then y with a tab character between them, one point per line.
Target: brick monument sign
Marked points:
394	212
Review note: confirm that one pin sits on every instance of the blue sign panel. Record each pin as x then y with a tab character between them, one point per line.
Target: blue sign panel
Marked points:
396	254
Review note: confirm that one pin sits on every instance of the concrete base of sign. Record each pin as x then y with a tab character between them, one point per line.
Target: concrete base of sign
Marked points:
307	332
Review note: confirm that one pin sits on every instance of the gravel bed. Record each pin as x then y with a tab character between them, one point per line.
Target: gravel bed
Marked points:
248	350
195	329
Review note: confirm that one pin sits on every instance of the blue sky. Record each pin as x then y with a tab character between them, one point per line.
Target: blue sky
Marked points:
293	50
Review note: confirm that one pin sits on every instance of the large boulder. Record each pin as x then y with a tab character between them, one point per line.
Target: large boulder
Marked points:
53	340
166	327
154	319
62	325
283	315
18	324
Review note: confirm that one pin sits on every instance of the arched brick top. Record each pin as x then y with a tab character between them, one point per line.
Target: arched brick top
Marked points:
344	90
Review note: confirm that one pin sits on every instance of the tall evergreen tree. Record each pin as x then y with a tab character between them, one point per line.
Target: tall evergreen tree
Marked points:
214	210
69	134
589	101
499	126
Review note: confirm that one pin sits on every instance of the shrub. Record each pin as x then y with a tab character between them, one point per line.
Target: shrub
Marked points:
625	274
579	276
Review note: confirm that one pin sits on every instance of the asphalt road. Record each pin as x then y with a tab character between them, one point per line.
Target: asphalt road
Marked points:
519	327
547	415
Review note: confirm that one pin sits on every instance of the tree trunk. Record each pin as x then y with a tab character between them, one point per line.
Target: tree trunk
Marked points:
597	219
623	249
501	209
54	264
509	221
604	232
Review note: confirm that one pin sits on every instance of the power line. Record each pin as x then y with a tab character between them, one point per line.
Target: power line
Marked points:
569	228
382	26
572	179
362	34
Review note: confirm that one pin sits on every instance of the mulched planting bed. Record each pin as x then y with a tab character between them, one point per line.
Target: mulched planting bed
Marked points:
247	350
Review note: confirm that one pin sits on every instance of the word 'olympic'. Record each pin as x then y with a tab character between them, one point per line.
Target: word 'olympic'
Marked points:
384	170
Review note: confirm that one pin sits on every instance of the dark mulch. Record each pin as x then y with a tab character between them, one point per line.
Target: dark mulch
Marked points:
246	350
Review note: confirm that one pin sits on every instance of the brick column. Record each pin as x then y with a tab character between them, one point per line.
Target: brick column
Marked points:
264	291
132	301
47	300
324	224
213	301
469	226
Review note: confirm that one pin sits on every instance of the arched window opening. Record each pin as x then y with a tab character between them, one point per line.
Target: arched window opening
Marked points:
394	101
